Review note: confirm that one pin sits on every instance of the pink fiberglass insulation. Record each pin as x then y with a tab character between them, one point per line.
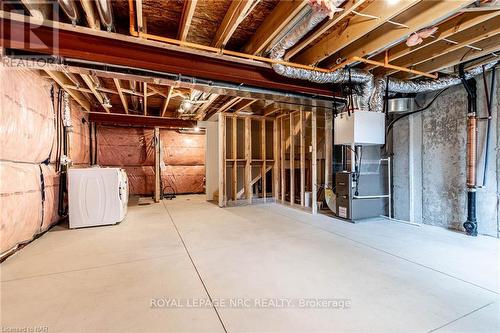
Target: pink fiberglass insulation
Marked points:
51	189
184	179
20	203
27	118
125	146
182	148
133	150
141	179
80	151
27	138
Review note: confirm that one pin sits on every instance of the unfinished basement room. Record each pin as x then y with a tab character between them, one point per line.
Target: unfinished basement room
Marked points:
250	166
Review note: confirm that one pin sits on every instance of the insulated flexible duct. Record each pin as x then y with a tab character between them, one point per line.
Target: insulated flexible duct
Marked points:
105	13
371	89
69	8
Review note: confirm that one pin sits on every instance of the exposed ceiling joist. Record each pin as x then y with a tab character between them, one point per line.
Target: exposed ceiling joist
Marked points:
270	110
348	8
92	86
425	14
166	101
234	15
226	106
200	113
123	98
146	121
446	30
145	98
464	40
229	104
90	14
102	47
62	80
354	29
38	9
245	104
486	47
282	14
186	18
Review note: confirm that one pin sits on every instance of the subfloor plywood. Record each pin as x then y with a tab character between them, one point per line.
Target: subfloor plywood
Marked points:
396	277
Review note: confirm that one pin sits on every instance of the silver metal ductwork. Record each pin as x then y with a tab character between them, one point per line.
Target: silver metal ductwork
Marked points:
69	8
417	86
371	89
105	13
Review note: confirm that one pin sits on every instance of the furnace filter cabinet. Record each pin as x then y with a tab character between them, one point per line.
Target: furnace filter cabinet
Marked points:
97	196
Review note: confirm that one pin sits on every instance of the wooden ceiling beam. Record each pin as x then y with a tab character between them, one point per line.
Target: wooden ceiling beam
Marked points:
200	113
38	9
279	18
62	80
99	46
270	110
348	8
445	30
166	101
422	16
145	98
235	14
145	121
123	98
245	104
354	29
90	14
186	18
226	106
450	59
464	40
92	86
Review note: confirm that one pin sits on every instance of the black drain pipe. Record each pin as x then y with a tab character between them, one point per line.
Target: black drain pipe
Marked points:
470	225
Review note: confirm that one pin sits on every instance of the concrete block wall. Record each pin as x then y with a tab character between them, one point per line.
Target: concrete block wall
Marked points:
429	163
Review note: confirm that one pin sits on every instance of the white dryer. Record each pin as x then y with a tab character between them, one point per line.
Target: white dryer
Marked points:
97	196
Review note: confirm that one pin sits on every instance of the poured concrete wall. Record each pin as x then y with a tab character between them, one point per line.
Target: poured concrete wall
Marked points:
29	181
429	163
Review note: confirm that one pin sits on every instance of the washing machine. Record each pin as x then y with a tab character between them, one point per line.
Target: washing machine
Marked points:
97	196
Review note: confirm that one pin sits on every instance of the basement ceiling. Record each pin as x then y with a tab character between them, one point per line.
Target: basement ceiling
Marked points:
376	30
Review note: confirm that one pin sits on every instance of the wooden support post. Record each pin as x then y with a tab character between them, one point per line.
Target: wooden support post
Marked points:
302	158
222	160
263	153
276	159
328	148
157	164
235	157
248	158
314	164
292	160
283	156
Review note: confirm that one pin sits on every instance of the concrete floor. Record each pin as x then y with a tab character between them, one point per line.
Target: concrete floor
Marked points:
395	277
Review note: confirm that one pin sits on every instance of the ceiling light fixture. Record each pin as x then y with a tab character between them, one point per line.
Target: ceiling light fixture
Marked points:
186	104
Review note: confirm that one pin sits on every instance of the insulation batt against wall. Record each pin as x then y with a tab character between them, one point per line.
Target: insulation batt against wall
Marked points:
28	141
132	149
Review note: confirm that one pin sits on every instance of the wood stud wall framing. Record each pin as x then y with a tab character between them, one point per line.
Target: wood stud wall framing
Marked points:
273	159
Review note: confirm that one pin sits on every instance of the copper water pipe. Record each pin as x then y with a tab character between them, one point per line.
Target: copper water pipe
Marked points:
222	51
471	150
